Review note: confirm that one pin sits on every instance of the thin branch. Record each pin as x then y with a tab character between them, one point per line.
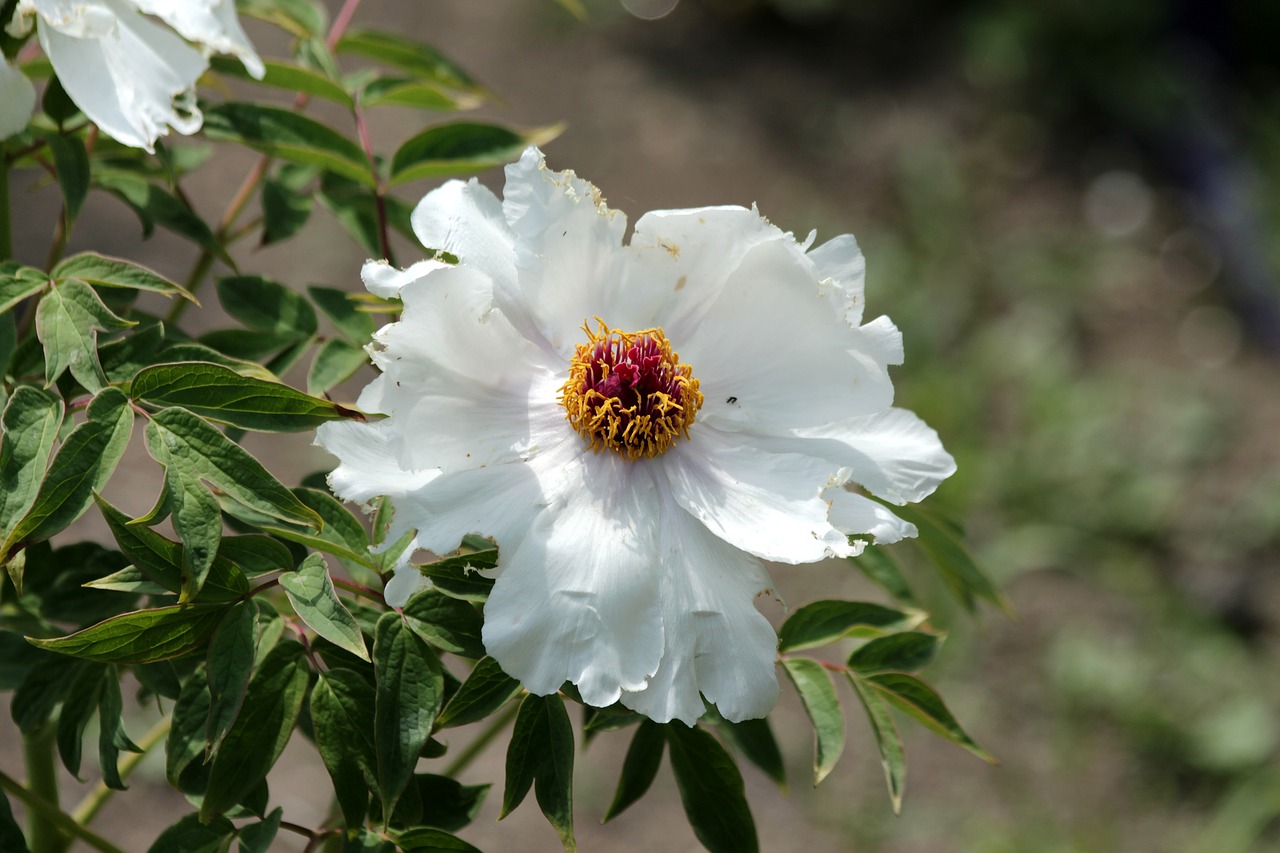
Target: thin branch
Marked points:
55	816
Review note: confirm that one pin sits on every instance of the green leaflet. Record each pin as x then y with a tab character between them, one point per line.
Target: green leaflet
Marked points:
143	636
823	622
904	652
104	271
342	706
316	602
267	306
68	320
410	691
921	702
639	768
892	757
818	695
541	755
486	690
462	148
711	790
228	666
288	135
444	622
31	420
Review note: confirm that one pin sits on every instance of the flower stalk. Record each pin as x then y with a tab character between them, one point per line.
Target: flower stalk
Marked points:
43	833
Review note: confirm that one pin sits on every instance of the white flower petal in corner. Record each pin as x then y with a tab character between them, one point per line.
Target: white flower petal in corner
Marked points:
17	100
212	24
635	426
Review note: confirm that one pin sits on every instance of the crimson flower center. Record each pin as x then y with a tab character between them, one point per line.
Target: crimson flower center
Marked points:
628	392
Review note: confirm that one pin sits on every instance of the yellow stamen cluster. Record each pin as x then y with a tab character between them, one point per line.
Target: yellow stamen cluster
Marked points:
628	392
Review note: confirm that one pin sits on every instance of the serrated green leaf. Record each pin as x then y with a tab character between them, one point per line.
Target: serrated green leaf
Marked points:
285	75
18	282
81	467
288	135
155	205
462	148
143	636
541	754
336	361
904	652
71	162
446	623
258	837
410	691
824	622
228	667
711	791
818	695
949	556
424	839
191	835
68	320
103	271
220	394
267	306
316	602
639	768
270	710
486	690
755	740
342	706
921	702
892	757
31	421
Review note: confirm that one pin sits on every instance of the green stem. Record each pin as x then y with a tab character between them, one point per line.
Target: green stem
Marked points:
6	227
202	266
93	801
38	750
486	737
49	812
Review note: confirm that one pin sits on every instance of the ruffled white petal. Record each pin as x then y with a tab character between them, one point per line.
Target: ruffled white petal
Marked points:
369	461
17	100
854	514
578	599
382	279
466	220
131	77
839	263
717	643
212	24
769	504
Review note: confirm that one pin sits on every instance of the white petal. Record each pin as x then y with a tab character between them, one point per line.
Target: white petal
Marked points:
369	457
457	371
769	504
134	82
854	514
772	354
17	100
569	257
210	23
405	582
466	220
716	642
382	279
840	263
893	454
578	599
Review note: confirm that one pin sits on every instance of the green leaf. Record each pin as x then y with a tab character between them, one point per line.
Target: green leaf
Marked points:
344	312
415	93
818	695
68	320
462	148
953	562
905	652
302	18
342	718
419	59
892	757
228	666
285	75
342	534
445	622
410	691
31	421
191	835
316	602
459	577
921	702
18	282
41	690
824	622
258	837
424	839
11	837
486	690
446	803
288	135
80	702
102	271
267	306
541	754
121	359
71	162
255	554
186	741
111	733
220	394
81	467
336	361
156	206
143	636
881	570
200	352
270	710
355	206
285	207
639	768
755	740
712	791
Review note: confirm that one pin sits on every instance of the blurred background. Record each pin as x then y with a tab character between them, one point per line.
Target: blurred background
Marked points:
1069	208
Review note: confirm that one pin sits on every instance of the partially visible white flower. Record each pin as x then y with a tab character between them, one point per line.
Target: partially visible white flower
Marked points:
131	76
634	493
17	100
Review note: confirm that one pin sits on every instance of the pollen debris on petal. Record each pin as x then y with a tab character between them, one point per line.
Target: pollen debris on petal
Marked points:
629	392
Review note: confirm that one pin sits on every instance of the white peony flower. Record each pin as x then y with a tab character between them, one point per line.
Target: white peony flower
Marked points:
638	427
131	76
17	100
